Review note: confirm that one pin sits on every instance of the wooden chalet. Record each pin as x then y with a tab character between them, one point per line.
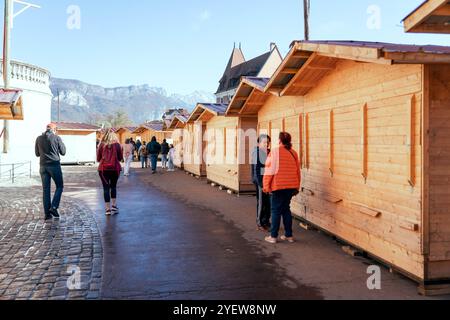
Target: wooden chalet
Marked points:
432	16
371	122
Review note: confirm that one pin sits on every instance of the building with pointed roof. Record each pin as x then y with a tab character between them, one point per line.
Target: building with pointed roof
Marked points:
262	66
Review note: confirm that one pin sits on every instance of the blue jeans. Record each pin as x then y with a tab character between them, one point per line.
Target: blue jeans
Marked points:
144	161
281	208
154	160
49	173
164	160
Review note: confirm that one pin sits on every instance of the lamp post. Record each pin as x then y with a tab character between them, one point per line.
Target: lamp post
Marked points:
306	10
7	64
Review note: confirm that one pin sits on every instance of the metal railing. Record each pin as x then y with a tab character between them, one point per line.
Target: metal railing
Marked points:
15	171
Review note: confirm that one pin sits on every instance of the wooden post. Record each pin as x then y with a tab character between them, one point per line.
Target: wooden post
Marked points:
364	141
410	140
300	138
330	142
306	140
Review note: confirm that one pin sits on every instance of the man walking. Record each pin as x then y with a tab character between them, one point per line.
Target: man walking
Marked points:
153	149
259	158
164	153
49	147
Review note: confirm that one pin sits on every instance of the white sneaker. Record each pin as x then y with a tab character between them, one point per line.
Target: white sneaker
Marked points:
108	212
114	210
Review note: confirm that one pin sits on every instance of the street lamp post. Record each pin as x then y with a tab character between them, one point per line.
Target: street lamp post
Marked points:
7	64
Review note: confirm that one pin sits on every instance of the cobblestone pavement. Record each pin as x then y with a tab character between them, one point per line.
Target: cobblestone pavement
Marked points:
40	260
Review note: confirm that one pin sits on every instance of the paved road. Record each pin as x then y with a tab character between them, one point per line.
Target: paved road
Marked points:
162	248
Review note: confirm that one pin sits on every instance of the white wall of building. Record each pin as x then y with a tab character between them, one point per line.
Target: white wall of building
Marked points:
81	148
37	97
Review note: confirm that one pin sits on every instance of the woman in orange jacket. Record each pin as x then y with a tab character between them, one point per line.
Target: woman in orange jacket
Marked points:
282	180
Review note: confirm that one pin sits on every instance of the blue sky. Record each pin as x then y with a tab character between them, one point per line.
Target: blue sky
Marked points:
184	45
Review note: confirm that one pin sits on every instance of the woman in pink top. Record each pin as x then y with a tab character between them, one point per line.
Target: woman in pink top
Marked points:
127	150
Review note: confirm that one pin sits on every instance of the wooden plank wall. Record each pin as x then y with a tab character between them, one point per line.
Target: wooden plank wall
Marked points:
222	166
247	143
367	199
193	151
439	172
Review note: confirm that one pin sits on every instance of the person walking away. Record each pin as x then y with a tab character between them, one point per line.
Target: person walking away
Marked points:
263	207
171	158
153	149
164	153
138	147
127	151
134	148
49	147
282	179
143	155
109	156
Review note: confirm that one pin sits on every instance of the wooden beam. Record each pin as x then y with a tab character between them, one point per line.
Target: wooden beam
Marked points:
425	160
364	141
442	11
298	74
422	13
289	71
418	57
338	50
301	55
410	143
246	101
306	140
331	142
300	138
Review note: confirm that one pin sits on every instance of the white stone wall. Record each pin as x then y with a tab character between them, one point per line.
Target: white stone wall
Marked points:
37	97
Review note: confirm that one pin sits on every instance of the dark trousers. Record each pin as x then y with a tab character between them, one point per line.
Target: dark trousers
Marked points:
263	206
49	173
281	209
154	161
109	181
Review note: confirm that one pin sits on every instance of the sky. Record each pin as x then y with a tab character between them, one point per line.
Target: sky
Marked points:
184	45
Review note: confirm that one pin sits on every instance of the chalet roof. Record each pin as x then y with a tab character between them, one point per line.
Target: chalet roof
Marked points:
152	126
309	61
129	129
178	122
212	109
77	126
250	96
232	76
432	16
11	104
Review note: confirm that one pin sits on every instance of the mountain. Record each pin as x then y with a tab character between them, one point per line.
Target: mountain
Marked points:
83	102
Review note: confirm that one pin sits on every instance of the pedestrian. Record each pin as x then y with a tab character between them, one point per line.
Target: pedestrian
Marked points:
49	147
164	153
143	155
153	149
137	148
134	149
171	158
109	156
282	179
127	151
263	207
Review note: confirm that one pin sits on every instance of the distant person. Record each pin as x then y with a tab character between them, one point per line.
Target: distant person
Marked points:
134	148
282	179
49	147
263	207
137	147
153	149
143	155
164	153
171	158
127	151
109	156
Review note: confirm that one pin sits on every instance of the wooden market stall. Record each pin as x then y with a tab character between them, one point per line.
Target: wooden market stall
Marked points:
372	122
230	144
80	140
11	106
432	16
177	128
124	133
152	129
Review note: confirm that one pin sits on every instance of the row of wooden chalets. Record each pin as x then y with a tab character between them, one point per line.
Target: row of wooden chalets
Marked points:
371	122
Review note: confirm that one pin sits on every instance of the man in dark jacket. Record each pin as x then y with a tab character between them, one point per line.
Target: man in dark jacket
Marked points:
153	149
49	147
164	153
259	157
